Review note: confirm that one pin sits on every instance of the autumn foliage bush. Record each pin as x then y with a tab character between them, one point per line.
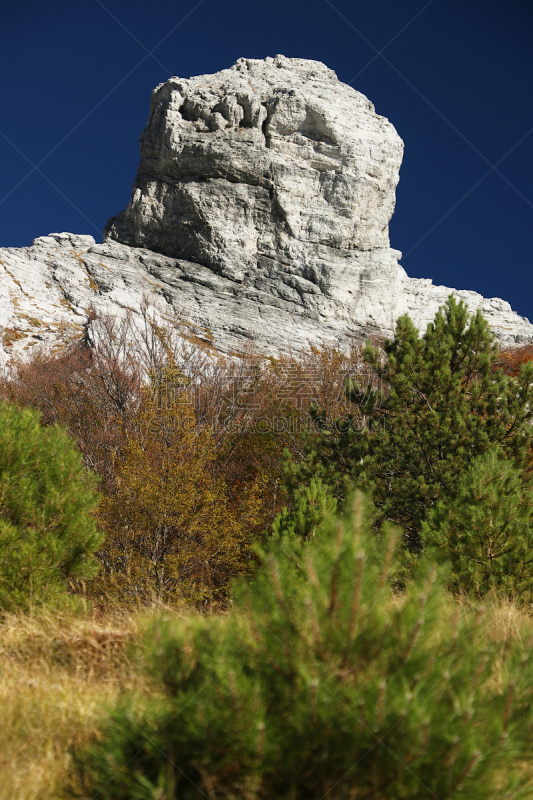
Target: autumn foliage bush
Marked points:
173	531
191	446
510	360
92	391
188	444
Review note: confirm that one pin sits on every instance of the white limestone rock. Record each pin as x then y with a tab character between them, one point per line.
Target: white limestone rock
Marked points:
47	291
260	212
271	161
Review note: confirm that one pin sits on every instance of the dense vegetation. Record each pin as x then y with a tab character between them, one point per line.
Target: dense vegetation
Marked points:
435	403
47	532
189	449
316	641
320	685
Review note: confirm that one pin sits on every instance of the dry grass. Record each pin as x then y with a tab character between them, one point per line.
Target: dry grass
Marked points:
55	673
508	621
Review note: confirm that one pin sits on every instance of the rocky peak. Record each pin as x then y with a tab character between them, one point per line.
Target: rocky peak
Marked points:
260	212
272	160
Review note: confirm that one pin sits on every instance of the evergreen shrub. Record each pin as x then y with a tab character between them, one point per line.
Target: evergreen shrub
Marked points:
47	532
312	505
433	402
486	533
322	683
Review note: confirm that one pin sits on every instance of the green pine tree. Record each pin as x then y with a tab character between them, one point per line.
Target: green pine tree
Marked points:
312	505
486	532
436	402
320	683
47	531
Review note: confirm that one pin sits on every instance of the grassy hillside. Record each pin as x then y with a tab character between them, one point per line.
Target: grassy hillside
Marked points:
218	473
60	674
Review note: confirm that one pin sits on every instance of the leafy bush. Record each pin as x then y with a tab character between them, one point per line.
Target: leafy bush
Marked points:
486	533
172	532
47	531
319	684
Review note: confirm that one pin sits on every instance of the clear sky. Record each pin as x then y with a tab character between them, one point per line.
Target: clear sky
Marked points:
453	76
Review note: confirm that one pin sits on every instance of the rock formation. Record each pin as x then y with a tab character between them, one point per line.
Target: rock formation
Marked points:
260	211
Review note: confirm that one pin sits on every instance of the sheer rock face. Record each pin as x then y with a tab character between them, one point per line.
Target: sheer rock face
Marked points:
260	212
269	169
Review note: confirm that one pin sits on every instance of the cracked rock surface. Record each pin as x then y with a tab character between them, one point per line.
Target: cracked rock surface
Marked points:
260	211
269	165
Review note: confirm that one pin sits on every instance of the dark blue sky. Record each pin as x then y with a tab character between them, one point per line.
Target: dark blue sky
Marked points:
453	76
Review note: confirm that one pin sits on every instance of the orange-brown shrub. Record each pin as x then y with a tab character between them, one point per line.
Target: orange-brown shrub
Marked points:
510	359
247	411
